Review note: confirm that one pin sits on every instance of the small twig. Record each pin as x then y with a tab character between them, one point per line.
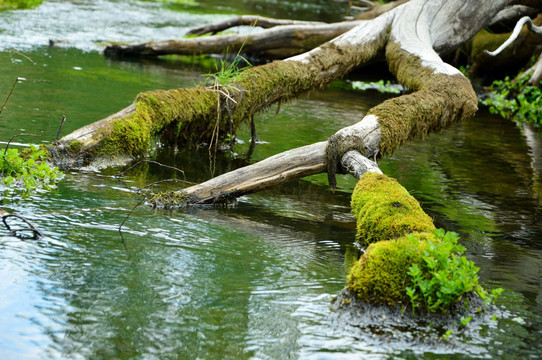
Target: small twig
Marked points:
31	227
19	53
15	136
166	180
126	218
60	128
517	30
152	162
11	92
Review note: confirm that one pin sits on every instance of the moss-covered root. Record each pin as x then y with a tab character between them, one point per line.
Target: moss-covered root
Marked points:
439	100
385	210
381	275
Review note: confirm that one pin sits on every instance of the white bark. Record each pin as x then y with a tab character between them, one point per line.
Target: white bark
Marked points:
515	33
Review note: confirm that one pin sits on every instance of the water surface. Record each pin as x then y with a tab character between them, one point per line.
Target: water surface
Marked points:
254	281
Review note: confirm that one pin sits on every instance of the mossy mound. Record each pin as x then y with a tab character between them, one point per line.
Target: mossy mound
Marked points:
381	275
385	210
170	199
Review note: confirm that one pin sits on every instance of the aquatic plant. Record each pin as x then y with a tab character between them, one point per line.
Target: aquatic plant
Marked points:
515	100
442	276
223	83
426	270
27	169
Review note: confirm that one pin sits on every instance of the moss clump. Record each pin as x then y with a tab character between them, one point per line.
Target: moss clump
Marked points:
75	147
385	210
170	199
381	275
426	270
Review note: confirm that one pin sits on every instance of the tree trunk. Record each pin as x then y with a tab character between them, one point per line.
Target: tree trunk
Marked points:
283	41
409	36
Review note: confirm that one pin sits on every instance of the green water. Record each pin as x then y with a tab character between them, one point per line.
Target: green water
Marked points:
253	281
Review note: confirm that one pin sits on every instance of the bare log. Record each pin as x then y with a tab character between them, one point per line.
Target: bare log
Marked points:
287	38
247	20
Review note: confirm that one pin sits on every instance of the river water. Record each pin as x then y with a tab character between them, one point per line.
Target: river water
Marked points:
256	280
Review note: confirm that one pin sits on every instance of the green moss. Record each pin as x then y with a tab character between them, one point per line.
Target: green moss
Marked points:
75	147
381	275
170	199
385	210
189	116
438	102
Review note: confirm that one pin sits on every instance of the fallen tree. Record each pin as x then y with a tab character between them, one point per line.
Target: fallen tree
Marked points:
409	37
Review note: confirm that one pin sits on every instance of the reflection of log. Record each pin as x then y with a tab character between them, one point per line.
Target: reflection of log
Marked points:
247	20
280	39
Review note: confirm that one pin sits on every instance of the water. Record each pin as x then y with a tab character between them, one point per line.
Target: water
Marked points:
254	281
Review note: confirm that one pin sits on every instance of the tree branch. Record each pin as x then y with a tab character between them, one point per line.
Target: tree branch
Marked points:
248	20
517	29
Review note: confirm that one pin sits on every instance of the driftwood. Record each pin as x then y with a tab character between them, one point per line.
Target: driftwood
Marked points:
31	228
280	41
409	37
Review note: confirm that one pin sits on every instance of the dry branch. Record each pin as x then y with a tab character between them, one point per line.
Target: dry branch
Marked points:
284	39
247	20
515	33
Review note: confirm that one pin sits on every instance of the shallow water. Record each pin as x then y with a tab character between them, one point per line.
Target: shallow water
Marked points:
255	280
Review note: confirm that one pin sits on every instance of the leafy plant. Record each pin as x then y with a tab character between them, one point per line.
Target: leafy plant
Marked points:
222	82
380	86
19	4
27	169
443	276
228	72
515	100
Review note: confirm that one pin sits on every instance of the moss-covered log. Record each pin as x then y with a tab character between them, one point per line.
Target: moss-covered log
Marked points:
407	261
385	210
191	115
409	36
